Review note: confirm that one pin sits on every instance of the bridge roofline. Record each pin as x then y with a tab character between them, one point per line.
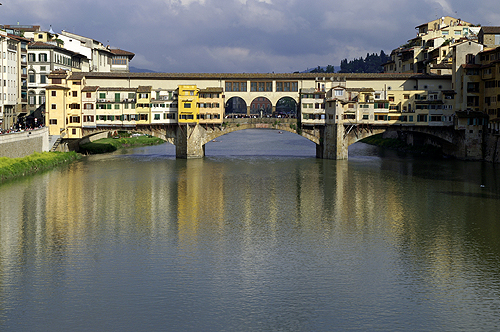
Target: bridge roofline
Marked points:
254	76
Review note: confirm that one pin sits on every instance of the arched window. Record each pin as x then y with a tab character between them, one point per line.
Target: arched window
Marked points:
41	97
31	76
31	97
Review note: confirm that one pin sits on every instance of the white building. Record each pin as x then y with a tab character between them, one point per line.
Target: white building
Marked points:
9	79
44	58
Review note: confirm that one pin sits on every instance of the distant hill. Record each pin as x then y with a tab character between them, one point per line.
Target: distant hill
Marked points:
372	63
139	70
325	69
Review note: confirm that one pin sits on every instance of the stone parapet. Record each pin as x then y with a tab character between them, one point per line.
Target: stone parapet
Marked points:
22	144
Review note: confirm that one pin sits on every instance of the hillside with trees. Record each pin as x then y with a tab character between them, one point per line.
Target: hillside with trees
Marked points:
372	63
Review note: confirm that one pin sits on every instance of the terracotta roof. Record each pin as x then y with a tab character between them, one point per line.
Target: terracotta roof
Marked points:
442	66
58	73
41	44
117	51
121	89
90	88
56	87
144	89
471	66
18	37
211	90
490	30
360	90
31	28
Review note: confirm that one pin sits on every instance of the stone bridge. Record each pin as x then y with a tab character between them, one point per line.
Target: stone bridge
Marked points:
332	140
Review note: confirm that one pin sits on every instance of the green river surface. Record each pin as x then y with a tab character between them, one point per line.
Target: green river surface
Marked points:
257	236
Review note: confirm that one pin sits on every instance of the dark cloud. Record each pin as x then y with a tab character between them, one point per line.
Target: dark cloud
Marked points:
244	36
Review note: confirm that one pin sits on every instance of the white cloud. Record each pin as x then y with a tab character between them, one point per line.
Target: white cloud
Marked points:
245	35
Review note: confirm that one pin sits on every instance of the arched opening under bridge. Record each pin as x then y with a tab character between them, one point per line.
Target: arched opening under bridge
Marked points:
261	142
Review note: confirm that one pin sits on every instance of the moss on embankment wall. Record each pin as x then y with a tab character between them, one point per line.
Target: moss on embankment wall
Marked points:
11	168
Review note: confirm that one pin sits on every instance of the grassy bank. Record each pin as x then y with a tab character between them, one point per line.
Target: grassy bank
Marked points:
16	167
112	144
395	144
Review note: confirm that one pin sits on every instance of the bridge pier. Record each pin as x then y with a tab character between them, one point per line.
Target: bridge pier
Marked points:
189	142
332	144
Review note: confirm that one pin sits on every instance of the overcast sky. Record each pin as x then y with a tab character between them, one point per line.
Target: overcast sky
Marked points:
244	36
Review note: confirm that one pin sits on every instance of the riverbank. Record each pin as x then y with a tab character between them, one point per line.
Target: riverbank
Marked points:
106	145
396	144
11	168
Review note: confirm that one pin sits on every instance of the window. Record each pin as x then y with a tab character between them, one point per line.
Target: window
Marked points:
31	77
261	86
339	93
286	86
88	94
74	119
88	106
43	79
42	57
236	86
119	60
422	118
53	93
102	95
31	57
53	106
56	81
157	116
75	93
187	105
117	106
53	121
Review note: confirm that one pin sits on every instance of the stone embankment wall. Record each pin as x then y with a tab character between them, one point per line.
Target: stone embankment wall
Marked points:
492	153
22	144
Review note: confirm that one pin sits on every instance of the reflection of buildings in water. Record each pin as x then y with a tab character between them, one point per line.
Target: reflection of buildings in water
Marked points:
200	198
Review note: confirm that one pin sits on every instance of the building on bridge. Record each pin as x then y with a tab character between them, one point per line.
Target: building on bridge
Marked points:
429	102
79	101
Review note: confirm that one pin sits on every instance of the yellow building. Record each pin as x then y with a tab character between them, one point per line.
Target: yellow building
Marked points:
210	105
143	105
490	85
188	104
56	104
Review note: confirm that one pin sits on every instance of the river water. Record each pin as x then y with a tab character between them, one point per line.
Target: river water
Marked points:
257	236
